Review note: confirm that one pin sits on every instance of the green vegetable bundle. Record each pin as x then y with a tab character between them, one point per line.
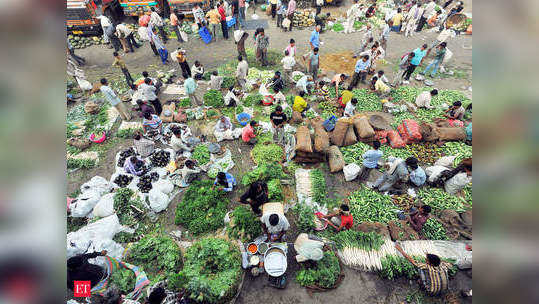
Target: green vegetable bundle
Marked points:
123	279
367	241
396	266
275	191
354	153
127	133
160	256
327	108
212	271
264	172
228	82
202	208
368	205
318	183
184	103
252	99
305	217
337	27
123	200
244	225
201	154
367	101
80	163
267	153
434	230
440	200
214	98
323	273
459	149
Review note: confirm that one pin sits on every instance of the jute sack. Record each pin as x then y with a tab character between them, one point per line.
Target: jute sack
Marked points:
428	132
296	117
91	107
363	127
321	137
451	134
336	160
350	137
303	140
338	134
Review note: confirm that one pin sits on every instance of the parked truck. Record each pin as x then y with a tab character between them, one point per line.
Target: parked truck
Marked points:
81	16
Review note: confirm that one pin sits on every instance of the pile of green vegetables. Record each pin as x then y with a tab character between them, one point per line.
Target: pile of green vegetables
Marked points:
264	172
318	186
368	205
160	256
367	241
459	149
228	82
211	113
127	133
327	109
184	103
267	153
305	217
434	230
397	266
337	27
80	163
367	101
214	98
426	153
354	154
201	154
202	208
252	99
123	202
440	200
212	271
275	191
123	279
323	273
244	225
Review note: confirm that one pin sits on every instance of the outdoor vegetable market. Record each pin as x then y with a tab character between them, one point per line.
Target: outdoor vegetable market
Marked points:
241	152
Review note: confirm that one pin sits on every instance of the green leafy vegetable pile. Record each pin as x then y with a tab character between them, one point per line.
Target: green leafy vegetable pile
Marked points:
212	271
327	108
275	191
368	205
367	241
228	82
367	101
184	103
214	98
202	208
459	149
397	266
305	217
434	230
201	154
264	172
267	153
440	200
80	163
160	256
244	225
252	99
337	27
318	183
127	133
123	199
354	153
323	273
123	279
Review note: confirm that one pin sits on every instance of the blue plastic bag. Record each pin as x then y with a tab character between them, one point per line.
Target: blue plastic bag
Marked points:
329	124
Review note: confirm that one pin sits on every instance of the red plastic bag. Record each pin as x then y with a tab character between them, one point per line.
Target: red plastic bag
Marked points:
144	20
410	130
268	100
381	136
395	139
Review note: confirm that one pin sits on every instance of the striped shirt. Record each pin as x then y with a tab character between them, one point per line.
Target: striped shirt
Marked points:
436	278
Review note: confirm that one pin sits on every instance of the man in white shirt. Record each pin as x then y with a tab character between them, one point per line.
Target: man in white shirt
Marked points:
231	100
288	64
113	99
274	226
105	25
216	81
278	97
157	21
177	143
148	94
350	108
423	99
223	129
126	36
242	71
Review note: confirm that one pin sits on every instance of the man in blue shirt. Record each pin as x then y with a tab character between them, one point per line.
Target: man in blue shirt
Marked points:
315	38
419	55
370	160
417	175
360	71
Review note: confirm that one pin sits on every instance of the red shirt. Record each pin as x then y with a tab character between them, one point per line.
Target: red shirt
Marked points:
222	13
247	133
347	221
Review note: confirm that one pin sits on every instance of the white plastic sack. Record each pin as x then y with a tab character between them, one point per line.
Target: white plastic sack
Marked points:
104	229
84	203
184	36
97	183
84	84
163	185
448	56
158	200
255	17
220	163
143	33
434	171
173	56
351	171
266	127
456	183
105	206
446	161
286	23
113	249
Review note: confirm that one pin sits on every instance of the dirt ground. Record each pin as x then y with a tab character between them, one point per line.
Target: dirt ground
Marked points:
357	287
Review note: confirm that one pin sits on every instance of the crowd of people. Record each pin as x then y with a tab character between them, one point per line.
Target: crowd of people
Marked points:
407	18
